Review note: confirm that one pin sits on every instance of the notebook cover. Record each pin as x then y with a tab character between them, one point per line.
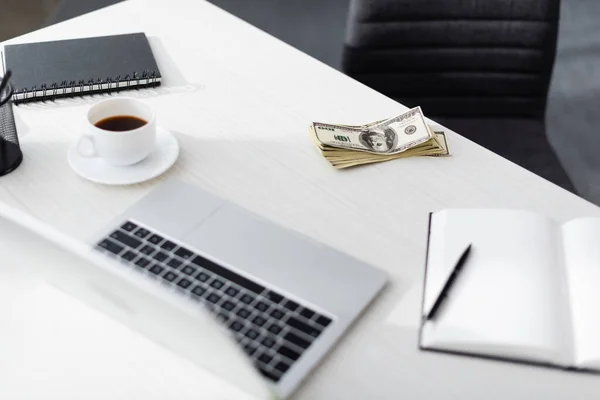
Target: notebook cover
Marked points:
47	63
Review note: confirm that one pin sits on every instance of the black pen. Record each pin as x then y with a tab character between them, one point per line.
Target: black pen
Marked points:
438	302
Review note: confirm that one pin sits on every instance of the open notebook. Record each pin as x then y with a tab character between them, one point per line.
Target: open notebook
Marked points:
529	290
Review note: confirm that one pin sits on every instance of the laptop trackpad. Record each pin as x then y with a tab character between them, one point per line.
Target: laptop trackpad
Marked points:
254	247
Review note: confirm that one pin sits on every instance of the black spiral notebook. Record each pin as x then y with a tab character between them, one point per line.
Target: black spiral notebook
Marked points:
75	67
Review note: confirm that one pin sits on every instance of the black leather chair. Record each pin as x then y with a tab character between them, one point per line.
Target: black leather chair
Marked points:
480	67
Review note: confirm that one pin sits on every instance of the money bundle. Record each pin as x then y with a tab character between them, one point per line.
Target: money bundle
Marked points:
405	135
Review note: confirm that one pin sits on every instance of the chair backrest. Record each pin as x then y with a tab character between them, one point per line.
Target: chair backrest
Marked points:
455	58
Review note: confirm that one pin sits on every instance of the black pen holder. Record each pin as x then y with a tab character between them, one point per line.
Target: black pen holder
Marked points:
10	150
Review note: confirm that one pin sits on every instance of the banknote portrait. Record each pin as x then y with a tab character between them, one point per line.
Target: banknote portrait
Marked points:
381	141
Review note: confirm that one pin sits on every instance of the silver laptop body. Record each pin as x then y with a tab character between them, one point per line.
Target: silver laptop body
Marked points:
285	298
36	250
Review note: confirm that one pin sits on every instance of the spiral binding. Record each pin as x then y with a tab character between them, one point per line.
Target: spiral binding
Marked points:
92	86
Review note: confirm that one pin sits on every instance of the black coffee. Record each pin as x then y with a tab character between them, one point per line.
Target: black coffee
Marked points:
120	123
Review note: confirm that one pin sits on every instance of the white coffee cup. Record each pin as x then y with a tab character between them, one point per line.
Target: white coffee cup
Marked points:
119	148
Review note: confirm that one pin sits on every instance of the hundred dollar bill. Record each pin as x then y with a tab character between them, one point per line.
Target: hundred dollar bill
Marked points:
343	159
341	163
429	146
435	146
391	136
418	151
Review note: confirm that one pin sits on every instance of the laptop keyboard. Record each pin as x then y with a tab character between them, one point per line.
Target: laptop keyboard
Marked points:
273	330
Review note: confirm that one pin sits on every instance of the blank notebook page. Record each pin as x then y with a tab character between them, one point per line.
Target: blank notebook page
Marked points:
581	238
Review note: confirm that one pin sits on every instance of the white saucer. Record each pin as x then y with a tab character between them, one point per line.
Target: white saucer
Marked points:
96	170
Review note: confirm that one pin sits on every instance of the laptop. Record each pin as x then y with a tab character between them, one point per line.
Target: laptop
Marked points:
252	302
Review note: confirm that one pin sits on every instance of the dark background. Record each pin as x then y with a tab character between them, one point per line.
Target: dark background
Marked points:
317	27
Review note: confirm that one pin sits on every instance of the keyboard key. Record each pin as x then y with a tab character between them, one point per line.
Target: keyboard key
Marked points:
252	334
155	239
228	305
321	320
184	253
239	337
291	305
250	348
228	275
231	291
147	249
275	329
236	326
198	291
160	256
259	321
189	270
129	255
156	270
297	340
142	262
213	298
268	342
141	233
306	313
210	307
203	277
301	326
169	276
246	299
243	313
168	246
128	226
217	284
289	353
268	374
262	306
174	263
265	358
274	297
282	367
125	239
110	246
223	317
184	283
276	314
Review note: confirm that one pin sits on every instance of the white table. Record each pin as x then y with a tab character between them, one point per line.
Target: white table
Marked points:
240	109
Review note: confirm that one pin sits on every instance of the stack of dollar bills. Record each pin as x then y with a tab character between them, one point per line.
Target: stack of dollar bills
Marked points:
405	135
